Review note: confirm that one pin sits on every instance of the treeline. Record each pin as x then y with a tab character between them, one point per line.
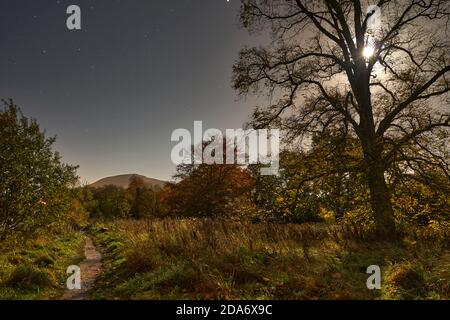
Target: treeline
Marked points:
293	196
137	201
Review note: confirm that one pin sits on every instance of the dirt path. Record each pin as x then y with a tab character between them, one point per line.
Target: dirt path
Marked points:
90	268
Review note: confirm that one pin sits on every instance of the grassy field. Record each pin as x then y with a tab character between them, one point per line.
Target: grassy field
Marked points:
207	259
37	268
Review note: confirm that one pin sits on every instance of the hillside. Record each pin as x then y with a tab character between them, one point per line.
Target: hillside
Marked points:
123	181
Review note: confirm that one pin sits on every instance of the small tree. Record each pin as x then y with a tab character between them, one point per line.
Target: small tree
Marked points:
112	202
34	184
136	188
215	190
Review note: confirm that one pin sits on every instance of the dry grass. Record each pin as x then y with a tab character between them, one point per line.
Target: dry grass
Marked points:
219	259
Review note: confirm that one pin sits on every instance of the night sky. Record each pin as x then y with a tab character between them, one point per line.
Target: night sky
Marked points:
114	91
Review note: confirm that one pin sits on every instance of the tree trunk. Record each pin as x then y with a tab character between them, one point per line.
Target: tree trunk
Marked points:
380	199
380	196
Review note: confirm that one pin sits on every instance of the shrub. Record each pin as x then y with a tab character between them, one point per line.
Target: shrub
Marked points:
34	183
28	277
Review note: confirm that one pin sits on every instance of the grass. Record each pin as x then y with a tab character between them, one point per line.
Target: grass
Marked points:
36	269
214	259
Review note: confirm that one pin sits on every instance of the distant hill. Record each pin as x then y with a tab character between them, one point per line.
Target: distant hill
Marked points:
124	179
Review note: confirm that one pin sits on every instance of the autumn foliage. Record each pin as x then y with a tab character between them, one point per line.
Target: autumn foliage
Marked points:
209	191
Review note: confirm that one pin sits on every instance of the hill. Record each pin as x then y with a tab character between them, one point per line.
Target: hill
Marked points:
123	181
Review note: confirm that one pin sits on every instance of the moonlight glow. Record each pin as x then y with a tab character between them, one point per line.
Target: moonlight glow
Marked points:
368	52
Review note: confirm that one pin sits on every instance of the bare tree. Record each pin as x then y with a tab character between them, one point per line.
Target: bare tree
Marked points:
329	68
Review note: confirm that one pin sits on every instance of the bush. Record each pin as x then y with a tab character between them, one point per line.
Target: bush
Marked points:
29	277
34	184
